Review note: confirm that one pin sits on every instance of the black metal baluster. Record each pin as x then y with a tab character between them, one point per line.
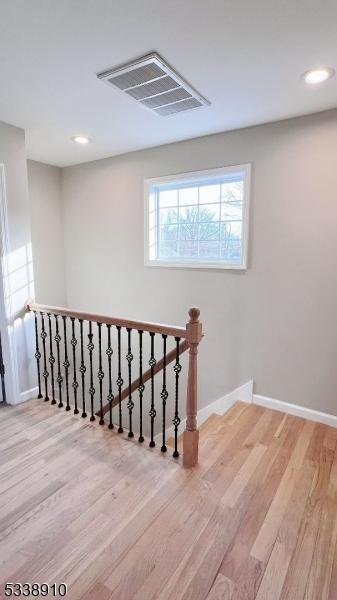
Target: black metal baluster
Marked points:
59	376
109	353
75	382
91	389
164	394
100	373
119	381
51	360
82	369
141	386
176	420
66	362
130	405
152	413
37	355
45	372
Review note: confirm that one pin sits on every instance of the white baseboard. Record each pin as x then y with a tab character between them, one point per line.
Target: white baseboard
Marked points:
26	395
245	394
219	406
296	410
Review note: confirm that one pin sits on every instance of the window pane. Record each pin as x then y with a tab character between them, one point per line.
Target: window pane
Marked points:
199	217
188	231
168	232
209	231
168	216
231	251
209	212
188	196
168	198
231	230
188	249
188	214
209	194
232	191
167	250
209	249
231	211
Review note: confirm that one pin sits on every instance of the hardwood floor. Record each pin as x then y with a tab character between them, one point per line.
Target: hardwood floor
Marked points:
257	519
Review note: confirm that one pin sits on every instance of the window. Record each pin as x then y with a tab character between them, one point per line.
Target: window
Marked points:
198	219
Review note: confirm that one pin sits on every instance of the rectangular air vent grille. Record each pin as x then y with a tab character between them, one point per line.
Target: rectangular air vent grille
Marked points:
168	98
170	109
137	76
153	88
154	85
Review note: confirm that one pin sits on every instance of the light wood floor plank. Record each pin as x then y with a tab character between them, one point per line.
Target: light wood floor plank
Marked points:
241	479
264	483
255	520
300	565
275	573
222	589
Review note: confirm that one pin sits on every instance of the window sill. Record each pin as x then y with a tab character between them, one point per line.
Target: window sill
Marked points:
196	265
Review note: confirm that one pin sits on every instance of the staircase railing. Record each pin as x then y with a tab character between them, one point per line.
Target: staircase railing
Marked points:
60	339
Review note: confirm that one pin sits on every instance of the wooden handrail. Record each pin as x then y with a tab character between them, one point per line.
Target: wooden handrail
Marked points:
183	346
140	325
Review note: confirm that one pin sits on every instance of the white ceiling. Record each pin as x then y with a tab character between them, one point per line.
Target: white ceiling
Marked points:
245	56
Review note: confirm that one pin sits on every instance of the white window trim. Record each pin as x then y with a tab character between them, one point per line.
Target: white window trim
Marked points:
6	311
185	177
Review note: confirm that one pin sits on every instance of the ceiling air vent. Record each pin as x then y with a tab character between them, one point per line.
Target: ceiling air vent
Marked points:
153	84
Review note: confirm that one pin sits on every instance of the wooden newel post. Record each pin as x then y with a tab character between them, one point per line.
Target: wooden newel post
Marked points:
191	433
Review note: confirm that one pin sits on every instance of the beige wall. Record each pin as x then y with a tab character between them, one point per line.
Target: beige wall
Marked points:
47	233
276	322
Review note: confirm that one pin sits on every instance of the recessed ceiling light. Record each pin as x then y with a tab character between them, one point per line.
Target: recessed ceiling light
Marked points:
81	139
318	75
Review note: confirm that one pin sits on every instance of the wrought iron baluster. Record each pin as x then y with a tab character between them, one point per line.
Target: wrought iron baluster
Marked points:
66	362
152	413
110	398
119	380
51	360
130	405
100	373
176	420
82	370
45	372
164	393
75	382
37	355
59	376
91	389
141	386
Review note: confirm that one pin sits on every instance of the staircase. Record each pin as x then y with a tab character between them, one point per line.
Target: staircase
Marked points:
86	364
